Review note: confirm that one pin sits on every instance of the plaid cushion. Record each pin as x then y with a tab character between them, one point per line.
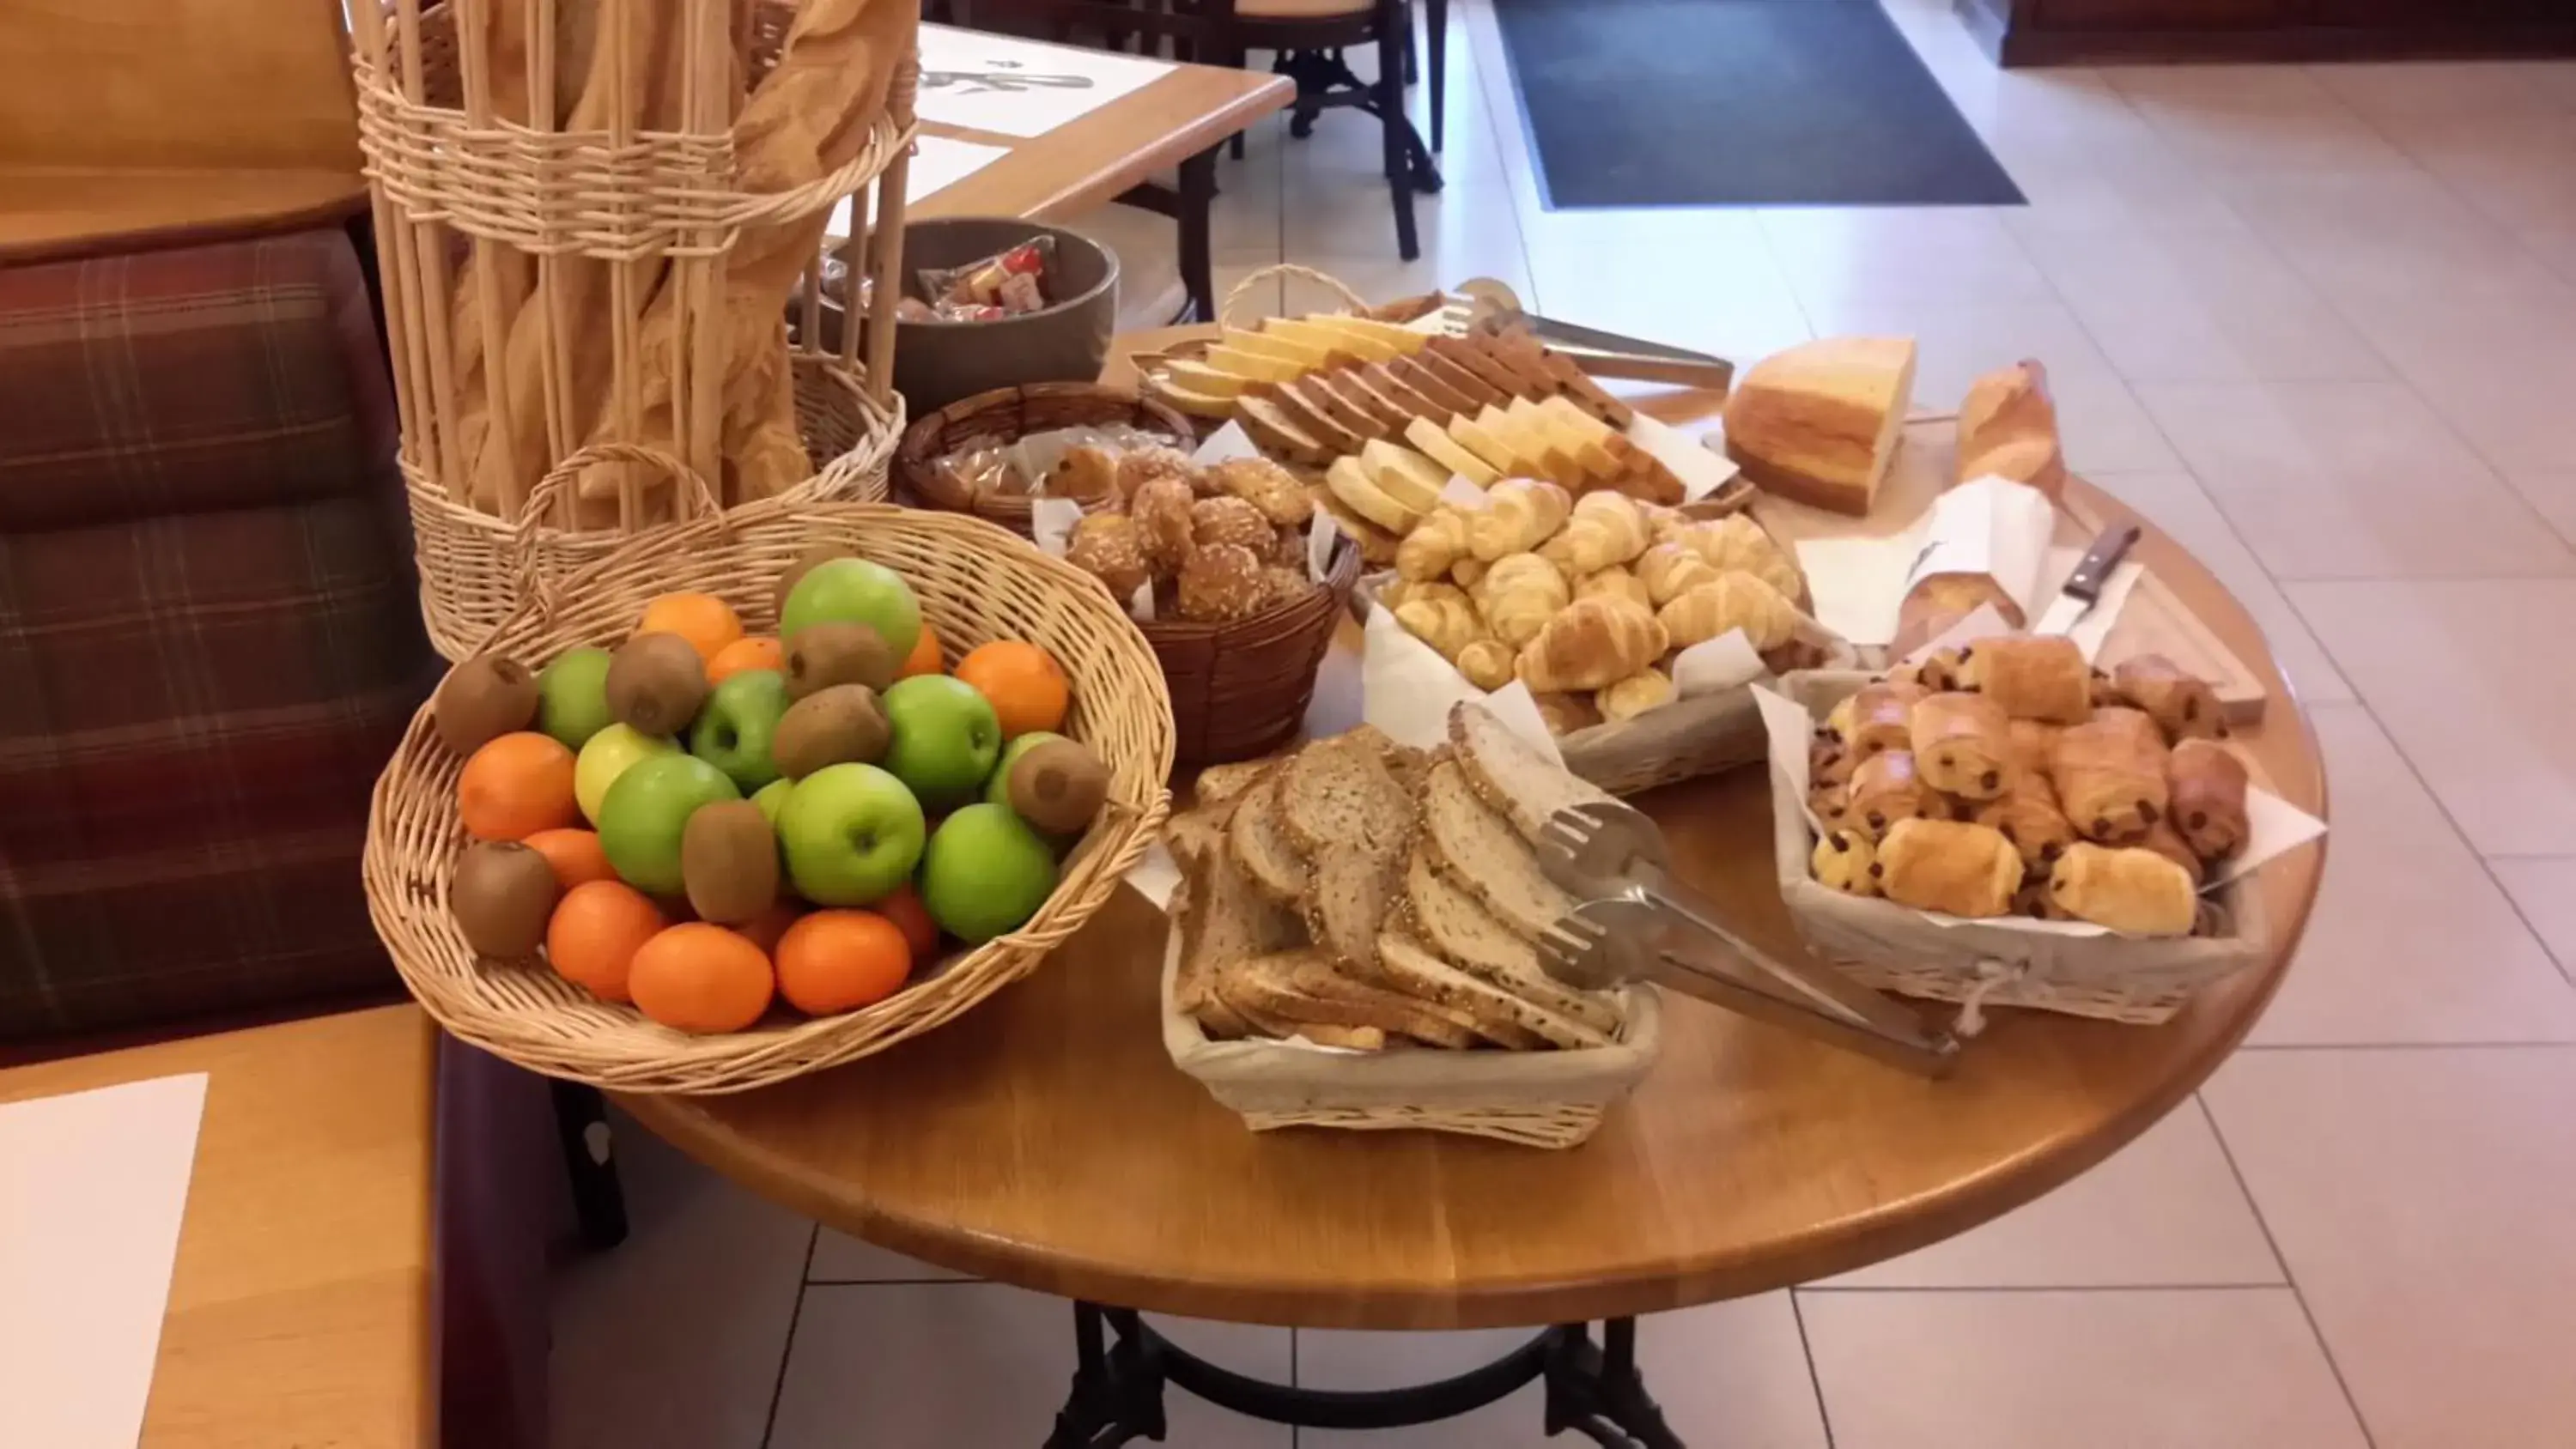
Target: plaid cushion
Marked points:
209	641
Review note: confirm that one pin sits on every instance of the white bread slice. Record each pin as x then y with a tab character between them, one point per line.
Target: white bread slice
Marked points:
1359	344
1404	339
1199	377
1350	483
1476	438
1426	438
1562	409
1267	857
1480	852
1181	398
1511	776
1599	468
1467	936
1423	974
1306	355
1820	422
1253	366
1404	475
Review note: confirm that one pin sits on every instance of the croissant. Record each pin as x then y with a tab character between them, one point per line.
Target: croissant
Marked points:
1731	601
1604	529
1591	645
1617	583
1737	543
1636	694
1519	594
1467	572
1487	663
1519	515
1670	570
1445	623
1434	546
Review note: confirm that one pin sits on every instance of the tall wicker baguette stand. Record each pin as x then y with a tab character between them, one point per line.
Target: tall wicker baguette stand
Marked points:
590	215
1047	1141
976	584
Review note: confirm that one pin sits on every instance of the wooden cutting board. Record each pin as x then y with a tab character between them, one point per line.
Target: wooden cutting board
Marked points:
2153	622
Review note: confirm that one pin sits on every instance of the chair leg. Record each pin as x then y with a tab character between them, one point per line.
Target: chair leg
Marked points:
1412	61
1397	128
582	1132
1436	21
1237	58
1198	193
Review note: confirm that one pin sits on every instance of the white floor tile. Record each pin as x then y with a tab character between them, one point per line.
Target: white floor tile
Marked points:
1959	255
2164	1210
2410	940
2472	680
1730	1373
2385	92
2151	1369
2351	480
977	1364
2199	306
2425	1202
672	1340
2256	121
2545	889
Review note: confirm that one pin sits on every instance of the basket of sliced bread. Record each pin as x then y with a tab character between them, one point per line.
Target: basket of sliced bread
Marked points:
1353	946
1636	627
2000	824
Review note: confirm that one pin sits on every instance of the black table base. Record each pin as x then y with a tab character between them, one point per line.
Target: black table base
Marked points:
1592	1389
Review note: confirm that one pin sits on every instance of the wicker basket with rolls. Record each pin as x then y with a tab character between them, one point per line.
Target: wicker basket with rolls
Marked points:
591	217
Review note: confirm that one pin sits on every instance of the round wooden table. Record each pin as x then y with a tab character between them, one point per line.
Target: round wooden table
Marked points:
1045	1140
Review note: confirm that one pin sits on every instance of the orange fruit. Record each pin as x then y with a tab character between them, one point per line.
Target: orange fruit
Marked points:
597	928
912	918
701	978
703	619
763	930
515	786
925	657
752	651
833	961
575	854
1027	691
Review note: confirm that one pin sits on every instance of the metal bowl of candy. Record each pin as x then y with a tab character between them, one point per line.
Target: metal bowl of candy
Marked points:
993	302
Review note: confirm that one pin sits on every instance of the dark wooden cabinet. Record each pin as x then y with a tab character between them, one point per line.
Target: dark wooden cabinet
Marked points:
2058	32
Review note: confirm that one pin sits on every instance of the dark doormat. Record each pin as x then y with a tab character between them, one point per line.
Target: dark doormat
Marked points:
1738	103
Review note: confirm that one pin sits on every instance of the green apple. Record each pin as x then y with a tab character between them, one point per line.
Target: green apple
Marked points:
572	697
997	786
609	753
772	799
854	591
733	730
851	832
985	873
641	822
946	738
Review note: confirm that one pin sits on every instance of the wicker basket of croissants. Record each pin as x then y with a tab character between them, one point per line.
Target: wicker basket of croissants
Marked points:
589	266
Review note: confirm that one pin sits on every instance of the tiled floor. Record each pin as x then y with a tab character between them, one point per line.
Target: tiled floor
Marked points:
2321	323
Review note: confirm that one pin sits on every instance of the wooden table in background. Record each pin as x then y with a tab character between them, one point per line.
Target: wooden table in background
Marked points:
300	1305
1046	1140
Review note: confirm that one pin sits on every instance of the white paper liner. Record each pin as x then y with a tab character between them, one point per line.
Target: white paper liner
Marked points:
1990	526
2274	825
1225	445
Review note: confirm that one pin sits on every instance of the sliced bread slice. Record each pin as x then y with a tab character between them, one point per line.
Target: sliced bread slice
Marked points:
1221	784
1270	860
1257	990
1480	852
1467	936
1320	979
1420	972
1509	774
1224	920
1354	824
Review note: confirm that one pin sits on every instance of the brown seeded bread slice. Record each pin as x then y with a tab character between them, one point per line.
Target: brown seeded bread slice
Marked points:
1509	774
1480	852
1466	935
1479	394
1354	825
1411	372
1222	784
1223	920
1424	974
1496	376
1351	382
1272	861
1256	989
1317	977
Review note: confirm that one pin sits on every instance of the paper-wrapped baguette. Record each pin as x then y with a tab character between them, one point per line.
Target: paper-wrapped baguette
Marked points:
2008	428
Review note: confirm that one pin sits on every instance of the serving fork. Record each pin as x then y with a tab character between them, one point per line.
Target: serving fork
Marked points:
1634	922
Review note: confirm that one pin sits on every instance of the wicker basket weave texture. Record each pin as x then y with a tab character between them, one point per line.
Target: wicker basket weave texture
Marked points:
1002	417
976	584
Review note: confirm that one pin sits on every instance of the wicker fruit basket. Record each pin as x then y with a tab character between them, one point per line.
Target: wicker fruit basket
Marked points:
578	254
975	583
1002	417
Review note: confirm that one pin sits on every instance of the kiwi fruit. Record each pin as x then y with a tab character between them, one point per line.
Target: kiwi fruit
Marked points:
656	683
1058	786
483	699
829	727
822	655
729	862
503	895
821	553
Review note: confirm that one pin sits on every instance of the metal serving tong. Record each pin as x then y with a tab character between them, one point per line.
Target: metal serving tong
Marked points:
1490	305
1635	922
